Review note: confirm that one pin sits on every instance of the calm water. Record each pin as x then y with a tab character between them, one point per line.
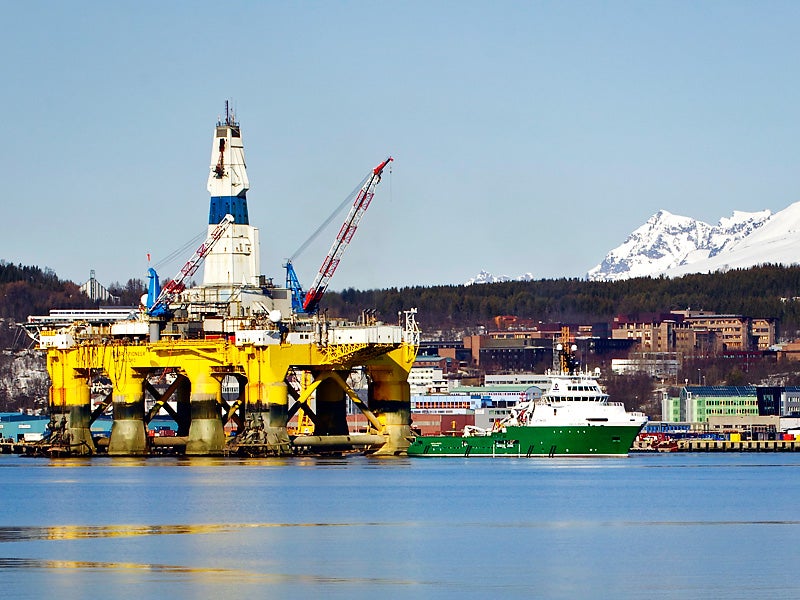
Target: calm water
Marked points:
662	526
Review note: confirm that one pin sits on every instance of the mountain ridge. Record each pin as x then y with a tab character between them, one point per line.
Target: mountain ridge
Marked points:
673	245
667	243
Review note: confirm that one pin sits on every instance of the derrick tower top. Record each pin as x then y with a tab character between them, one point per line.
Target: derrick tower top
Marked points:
227	178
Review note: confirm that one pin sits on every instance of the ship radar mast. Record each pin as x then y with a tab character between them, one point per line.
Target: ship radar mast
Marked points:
565	360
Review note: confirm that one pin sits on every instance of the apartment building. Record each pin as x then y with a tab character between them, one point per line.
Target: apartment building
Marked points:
696	332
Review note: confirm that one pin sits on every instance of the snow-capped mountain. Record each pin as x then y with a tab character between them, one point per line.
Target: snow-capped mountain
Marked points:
673	245
486	277
667	241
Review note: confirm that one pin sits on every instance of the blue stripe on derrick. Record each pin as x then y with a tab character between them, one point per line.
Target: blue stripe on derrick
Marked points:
222	205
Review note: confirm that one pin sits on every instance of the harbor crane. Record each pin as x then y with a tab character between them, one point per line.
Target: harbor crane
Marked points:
158	298
309	302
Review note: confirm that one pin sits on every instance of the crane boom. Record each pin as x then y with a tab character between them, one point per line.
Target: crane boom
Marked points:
343	238
175	286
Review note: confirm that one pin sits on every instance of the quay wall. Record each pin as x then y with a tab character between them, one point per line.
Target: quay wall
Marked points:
738	446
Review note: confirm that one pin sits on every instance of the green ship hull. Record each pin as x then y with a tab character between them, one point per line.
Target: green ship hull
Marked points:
516	441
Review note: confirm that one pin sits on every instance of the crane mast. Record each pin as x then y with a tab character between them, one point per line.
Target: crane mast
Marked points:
348	229
175	286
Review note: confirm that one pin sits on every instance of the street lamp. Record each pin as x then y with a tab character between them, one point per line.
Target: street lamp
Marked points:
698	376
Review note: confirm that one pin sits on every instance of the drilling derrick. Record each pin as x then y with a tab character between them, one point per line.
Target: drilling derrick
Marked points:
235	259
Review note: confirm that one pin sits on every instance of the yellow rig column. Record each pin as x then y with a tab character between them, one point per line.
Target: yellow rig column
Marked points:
390	398
128	436
266	399
206	434
70	404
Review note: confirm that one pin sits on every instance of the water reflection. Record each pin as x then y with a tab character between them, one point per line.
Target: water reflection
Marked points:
324	461
664	527
77	532
36	563
216	574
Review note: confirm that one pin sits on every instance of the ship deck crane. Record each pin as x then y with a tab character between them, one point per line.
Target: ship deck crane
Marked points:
309	302
158	298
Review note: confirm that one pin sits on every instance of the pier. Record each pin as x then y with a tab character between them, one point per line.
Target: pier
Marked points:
704	445
738	446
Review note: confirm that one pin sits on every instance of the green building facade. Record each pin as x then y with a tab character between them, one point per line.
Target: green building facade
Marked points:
699	402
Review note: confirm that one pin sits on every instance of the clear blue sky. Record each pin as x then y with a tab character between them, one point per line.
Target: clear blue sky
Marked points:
528	136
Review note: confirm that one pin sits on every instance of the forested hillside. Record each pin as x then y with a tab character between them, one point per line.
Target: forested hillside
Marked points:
30	290
765	291
26	290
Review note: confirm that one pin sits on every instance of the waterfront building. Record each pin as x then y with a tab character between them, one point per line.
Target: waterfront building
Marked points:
20	426
473	397
697	403
510	351
789	351
782	401
536	379
695	332
653	332
756	427
514	353
715	404
459	356
661	365
671	428
730	427
483	405
427	376
732	332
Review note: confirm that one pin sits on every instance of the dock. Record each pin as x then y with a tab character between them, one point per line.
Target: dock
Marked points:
738	446
703	445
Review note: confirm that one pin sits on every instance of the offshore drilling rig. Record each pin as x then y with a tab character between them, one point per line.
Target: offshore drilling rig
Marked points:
286	356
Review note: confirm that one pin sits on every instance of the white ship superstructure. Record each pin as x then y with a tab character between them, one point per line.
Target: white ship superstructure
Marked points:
572	400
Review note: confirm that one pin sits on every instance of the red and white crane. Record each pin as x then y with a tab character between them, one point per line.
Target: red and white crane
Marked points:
175	286
362	199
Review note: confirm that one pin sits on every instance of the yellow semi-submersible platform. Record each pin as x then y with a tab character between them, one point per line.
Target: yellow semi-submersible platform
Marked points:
179	347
